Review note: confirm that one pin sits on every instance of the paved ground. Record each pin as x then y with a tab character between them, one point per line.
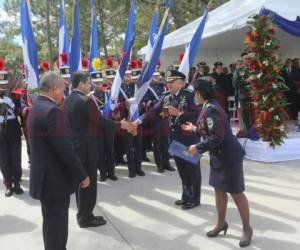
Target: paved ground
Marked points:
141	213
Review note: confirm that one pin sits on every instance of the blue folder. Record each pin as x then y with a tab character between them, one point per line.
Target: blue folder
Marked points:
179	150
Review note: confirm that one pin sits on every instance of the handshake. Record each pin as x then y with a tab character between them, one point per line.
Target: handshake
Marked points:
131	127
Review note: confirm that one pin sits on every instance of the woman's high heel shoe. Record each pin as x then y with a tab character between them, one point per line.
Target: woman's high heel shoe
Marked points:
247	242
215	232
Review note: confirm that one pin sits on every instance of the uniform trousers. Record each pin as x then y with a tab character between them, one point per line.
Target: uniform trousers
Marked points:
190	176
160	146
107	157
10	157
134	153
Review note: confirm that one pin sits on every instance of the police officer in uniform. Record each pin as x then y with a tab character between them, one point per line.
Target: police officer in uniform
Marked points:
10	137
134	142
118	114
178	105
226	159
160	137
107	128
65	74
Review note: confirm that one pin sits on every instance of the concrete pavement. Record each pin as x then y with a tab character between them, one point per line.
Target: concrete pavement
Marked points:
141	214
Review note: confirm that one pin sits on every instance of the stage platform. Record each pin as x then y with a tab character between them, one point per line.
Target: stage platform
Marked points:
261	151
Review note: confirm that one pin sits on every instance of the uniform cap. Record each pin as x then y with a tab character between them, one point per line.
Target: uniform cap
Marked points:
174	75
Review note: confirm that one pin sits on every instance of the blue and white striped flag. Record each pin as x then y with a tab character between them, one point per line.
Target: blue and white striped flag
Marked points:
29	47
128	43
115	89
63	33
75	55
168	3
149	69
130	27
191	50
94	50
152	35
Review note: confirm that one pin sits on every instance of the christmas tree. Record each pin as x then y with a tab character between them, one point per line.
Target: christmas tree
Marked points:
266	83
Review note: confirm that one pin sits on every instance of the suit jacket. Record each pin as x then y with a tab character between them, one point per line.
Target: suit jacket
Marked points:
55	168
289	79
84	120
217	137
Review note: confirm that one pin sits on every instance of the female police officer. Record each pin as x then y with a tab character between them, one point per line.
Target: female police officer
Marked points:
226	159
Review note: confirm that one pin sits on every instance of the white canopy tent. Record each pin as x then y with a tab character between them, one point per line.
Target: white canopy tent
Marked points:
225	31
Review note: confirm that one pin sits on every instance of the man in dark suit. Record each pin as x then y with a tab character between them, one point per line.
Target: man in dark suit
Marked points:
289	73
83	118
85	121
55	170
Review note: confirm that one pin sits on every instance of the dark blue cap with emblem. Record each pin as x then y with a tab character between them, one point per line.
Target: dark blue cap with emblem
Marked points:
173	75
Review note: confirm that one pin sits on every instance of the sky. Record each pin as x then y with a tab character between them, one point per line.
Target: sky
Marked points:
4	16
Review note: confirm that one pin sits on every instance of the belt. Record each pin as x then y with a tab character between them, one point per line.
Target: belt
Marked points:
9	117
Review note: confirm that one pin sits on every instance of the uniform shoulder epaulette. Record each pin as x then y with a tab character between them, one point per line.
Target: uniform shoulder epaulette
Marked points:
188	90
211	106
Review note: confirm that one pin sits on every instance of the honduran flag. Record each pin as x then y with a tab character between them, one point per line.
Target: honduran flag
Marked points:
152	35
130	26
191	50
63	33
149	69
168	3
75	55
115	89
29	47
94	49
128	43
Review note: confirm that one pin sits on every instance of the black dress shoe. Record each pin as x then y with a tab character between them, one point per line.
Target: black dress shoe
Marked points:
247	242
113	177
131	175
160	170
140	173
99	217
189	205
215	232
146	159
180	202
94	222
102	178
169	168
122	161
9	192
17	189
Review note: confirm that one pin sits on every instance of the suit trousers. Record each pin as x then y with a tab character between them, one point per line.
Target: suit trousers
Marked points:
86	197
190	175
10	160
55	213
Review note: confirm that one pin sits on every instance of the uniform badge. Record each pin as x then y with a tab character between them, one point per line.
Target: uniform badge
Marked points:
169	73
210	123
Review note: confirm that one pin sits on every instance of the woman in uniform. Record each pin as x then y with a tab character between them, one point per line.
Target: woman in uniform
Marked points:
226	159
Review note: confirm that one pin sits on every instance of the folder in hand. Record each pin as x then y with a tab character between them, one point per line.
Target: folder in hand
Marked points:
181	151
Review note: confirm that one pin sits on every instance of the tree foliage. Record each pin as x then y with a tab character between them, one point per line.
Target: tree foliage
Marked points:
112	18
267	85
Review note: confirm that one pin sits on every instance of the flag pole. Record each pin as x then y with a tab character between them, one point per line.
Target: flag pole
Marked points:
49	33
